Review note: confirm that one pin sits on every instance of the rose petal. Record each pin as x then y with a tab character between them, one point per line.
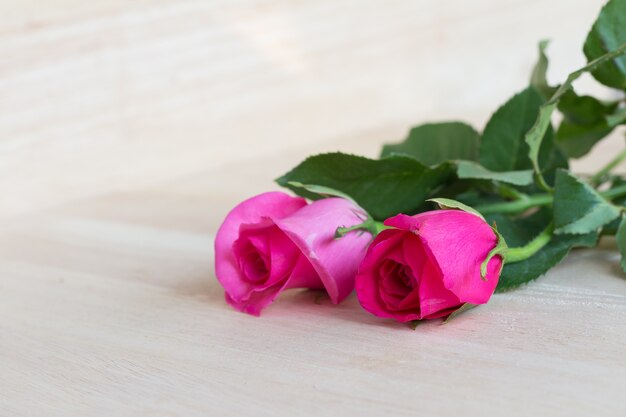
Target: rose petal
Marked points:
388	241
274	205
368	278
252	250
433	296
304	276
459	242
336	261
391	284
255	301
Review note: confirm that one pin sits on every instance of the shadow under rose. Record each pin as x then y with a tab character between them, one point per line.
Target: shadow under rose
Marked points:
317	303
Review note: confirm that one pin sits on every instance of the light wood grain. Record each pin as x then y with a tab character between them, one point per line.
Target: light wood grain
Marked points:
108	314
104	96
128	130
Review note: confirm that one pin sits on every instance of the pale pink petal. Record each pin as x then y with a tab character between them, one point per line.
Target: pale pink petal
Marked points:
312	229
304	276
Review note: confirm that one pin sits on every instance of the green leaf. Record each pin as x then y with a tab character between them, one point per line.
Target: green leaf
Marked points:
503	147
584	110
577	140
618	117
608	33
620	236
473	170
434	143
535	136
385	187
612	227
515	274
519	232
448	203
578	208
584	124
538	77
320	190
534	139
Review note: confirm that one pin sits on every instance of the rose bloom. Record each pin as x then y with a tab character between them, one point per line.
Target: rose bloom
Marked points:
273	242
428	265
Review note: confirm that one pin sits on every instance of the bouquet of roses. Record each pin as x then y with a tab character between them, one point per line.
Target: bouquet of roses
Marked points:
448	216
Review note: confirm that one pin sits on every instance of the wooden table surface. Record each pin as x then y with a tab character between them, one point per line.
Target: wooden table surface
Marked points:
128	130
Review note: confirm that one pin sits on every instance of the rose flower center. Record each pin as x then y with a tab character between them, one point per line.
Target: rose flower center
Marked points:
254	266
397	280
252	254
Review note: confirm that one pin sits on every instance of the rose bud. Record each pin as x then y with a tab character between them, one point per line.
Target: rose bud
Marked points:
273	242
428	266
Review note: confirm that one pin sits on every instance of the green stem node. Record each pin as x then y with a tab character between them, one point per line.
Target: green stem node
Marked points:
370	226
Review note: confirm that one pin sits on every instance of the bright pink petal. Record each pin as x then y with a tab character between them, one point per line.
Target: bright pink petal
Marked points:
368	278
273	205
302	276
459	242
433	296
402	222
386	243
312	229
390	280
255	301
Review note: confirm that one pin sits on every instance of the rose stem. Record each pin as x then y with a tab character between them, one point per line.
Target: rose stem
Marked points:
521	253
369	225
538	200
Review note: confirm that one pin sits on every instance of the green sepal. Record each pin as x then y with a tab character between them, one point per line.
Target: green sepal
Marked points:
448	203
499	249
320	190
369	225
456	313
414	323
620	237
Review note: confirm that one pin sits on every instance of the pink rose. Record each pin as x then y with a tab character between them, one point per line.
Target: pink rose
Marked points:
273	242
428	265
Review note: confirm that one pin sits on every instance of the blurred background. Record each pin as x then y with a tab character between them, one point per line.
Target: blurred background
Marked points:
199	104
